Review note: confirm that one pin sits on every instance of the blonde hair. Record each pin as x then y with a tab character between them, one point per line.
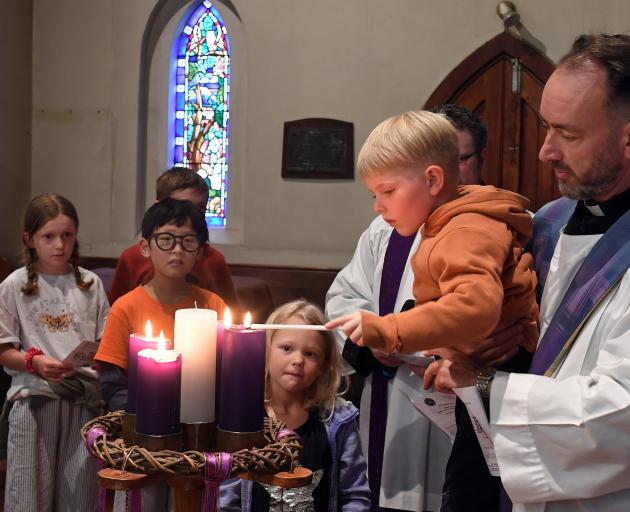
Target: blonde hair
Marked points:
415	137
323	392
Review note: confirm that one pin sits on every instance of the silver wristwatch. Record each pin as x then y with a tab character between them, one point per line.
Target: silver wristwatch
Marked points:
484	379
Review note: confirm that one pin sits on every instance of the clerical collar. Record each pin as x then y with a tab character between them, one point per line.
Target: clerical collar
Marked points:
593	218
595	209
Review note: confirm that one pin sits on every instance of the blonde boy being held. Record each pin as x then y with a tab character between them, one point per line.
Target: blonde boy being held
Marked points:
471	276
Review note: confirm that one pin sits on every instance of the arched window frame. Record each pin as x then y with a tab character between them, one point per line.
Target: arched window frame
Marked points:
155	102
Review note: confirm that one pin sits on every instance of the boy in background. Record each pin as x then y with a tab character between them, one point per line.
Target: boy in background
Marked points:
210	271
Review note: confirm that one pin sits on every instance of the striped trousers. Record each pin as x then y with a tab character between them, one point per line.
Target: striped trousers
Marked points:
48	466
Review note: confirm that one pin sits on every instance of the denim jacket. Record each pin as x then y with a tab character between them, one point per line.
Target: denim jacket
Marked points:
349	490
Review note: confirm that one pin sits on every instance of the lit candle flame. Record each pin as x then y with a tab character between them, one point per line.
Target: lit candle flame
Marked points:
227	318
161	345
148	330
248	320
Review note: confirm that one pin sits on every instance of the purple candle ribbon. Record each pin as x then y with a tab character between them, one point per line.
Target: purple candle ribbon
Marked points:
92	436
218	466
135	503
281	434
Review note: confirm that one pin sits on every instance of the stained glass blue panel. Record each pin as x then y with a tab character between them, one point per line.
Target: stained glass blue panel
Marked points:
202	77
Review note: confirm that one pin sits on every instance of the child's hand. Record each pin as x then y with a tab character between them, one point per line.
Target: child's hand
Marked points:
50	368
350	325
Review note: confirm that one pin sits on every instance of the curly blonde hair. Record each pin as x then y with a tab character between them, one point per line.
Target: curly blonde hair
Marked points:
333	380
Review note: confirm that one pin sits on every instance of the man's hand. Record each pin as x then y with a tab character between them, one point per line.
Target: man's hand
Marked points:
351	326
454	370
499	348
50	368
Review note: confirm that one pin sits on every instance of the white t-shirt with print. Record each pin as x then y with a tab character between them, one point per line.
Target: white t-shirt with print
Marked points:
55	319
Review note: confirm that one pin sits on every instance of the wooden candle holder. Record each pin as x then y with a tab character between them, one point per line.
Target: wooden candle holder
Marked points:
133	468
200	437
129	428
188	490
172	442
236	441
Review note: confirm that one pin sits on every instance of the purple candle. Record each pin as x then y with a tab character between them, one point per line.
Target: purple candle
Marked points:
227	318
138	342
160	372
242	388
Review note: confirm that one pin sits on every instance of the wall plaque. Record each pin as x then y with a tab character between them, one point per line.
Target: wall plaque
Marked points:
318	148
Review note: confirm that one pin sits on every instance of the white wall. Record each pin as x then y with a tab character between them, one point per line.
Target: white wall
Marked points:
15	121
354	60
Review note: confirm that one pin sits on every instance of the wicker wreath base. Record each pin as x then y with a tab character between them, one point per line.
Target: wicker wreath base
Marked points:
281	454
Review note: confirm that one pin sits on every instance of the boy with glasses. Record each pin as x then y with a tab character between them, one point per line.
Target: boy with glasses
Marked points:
173	234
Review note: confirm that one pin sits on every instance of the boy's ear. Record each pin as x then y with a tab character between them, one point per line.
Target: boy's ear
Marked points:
27	239
145	250
436	179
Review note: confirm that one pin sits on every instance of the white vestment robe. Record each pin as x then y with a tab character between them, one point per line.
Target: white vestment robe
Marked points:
563	442
416	452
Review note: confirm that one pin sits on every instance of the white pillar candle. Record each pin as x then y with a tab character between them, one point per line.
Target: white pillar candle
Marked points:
196	340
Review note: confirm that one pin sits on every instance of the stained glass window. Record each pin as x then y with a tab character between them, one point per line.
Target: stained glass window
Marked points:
202	88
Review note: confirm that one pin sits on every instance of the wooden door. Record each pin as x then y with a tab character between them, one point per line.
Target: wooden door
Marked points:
502	82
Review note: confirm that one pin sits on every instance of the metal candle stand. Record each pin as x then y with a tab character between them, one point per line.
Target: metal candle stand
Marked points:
142	462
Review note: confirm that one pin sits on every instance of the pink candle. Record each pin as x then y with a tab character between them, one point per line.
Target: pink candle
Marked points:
138	342
158	406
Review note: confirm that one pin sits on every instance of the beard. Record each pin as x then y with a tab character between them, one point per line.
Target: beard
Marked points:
600	177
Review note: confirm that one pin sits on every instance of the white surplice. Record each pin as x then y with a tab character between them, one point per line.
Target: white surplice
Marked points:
416	451
563	443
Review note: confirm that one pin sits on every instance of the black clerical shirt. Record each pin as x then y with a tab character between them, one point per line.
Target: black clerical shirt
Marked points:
585	222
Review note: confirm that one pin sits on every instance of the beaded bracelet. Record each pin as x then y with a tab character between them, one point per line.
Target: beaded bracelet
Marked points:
28	358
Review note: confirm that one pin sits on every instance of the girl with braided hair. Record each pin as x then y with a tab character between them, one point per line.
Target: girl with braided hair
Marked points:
47	308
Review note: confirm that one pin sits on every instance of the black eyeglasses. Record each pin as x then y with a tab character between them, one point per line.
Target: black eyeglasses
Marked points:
465	158
166	241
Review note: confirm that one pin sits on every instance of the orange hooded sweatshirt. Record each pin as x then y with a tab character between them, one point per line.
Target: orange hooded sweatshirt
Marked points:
471	276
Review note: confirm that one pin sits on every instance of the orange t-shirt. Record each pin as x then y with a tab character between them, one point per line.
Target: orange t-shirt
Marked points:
130	313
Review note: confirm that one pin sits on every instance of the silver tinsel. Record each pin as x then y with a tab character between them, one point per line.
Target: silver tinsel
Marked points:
294	500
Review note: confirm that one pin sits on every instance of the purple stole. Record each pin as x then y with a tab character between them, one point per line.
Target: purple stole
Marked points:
603	267
394	264
601	270
548	222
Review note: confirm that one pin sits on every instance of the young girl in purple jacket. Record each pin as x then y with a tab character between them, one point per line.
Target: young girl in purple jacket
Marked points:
304	374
